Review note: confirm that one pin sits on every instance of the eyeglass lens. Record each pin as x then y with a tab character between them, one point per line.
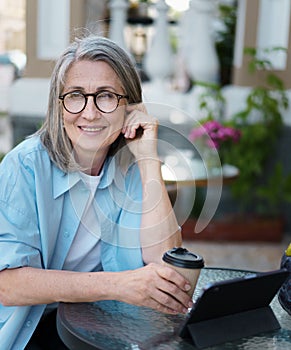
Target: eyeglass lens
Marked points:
105	101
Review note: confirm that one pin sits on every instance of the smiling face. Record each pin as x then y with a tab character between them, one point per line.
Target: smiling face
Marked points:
91	131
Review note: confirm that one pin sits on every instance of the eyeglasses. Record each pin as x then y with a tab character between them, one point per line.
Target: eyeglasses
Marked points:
105	101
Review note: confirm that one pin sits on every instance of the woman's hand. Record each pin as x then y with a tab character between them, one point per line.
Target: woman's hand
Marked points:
156	286
141	132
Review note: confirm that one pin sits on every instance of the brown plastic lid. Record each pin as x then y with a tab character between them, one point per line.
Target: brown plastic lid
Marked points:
181	257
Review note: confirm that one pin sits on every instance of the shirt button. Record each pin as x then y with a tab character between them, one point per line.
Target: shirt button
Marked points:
66	234
28	323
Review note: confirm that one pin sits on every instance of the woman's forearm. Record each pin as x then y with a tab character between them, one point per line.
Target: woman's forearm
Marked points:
31	286
159	227
154	286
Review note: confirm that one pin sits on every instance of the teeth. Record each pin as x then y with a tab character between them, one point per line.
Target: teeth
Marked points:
91	129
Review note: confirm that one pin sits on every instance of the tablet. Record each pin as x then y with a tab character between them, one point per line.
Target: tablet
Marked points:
235	296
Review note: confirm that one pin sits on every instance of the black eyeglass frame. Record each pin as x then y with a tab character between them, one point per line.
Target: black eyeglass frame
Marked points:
94	95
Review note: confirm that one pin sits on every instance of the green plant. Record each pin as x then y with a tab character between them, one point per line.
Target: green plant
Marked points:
225	38
276	189
260	124
211	100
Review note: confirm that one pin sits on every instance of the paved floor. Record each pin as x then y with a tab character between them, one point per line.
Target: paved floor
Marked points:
255	256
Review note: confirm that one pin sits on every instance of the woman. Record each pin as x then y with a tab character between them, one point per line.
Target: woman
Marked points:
84	212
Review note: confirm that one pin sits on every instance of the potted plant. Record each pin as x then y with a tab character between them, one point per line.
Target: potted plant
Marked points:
139	8
225	38
211	137
262	186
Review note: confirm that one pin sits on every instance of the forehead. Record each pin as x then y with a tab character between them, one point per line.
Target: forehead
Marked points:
91	74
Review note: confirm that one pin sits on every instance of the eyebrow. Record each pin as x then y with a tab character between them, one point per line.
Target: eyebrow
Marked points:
100	88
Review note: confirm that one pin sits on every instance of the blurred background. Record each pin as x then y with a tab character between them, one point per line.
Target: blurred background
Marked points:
199	60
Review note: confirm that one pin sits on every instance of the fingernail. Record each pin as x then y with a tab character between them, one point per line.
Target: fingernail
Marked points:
190	304
187	287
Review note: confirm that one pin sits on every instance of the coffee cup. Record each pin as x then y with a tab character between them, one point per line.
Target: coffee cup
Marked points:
186	263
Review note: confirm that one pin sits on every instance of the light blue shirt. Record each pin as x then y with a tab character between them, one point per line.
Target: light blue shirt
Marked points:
40	211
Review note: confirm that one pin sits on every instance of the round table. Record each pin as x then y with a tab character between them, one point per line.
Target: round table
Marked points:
112	325
226	175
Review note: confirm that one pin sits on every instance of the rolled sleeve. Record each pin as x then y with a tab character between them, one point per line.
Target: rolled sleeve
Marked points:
19	240
16	254
19	232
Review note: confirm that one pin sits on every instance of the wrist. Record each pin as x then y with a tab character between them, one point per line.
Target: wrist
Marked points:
108	286
150	166
114	286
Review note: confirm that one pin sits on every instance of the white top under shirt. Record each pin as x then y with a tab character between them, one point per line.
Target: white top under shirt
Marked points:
85	251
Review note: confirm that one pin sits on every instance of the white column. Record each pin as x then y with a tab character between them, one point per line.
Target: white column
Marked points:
197	42
239	35
118	16
273	30
53	28
158	61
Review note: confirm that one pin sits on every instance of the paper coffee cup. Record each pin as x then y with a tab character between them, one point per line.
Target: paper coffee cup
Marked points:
186	263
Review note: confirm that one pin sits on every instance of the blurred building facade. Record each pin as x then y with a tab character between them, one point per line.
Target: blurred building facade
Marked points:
50	26
12	25
263	24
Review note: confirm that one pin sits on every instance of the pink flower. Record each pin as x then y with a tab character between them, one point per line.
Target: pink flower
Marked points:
214	134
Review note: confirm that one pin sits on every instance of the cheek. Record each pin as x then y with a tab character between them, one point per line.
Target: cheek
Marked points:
118	119
68	119
116	125
114	121
119	124
69	125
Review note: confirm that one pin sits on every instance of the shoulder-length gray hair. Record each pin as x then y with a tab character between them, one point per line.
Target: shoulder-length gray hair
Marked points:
92	48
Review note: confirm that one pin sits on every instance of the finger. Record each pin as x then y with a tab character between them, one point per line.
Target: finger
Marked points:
167	303
139	116
172	275
131	119
131	130
174	286
176	293
160	304
162	308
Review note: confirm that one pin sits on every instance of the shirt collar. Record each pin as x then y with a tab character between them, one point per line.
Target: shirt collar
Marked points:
63	182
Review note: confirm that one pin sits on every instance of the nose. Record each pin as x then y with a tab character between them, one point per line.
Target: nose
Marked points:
91	112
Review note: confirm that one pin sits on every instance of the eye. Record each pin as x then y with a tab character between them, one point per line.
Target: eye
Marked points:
106	95
75	96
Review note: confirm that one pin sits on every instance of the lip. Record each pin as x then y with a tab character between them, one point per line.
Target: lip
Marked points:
91	129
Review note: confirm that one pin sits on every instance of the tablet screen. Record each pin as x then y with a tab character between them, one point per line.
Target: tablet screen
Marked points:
236	295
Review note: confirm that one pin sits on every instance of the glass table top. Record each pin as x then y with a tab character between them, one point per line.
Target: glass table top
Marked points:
111	325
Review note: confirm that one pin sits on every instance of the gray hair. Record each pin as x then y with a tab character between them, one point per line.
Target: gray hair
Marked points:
92	48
